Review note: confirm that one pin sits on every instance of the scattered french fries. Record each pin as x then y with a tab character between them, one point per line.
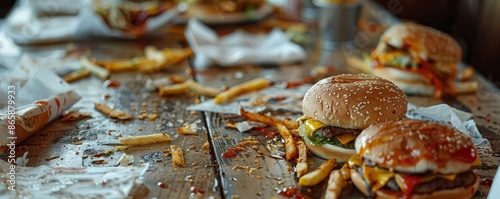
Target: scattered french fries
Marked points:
77	75
164	57
256	117
346	172
302	165
191	129
174	89
119	65
335	185
98	71
145	139
243	88
315	177
200	89
112	113
290	147
177	156
189	85
291	150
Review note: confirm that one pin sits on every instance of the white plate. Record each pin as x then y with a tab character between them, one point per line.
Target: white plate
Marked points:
230	18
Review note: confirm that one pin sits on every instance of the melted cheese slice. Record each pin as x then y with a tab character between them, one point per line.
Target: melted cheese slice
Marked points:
313	125
378	177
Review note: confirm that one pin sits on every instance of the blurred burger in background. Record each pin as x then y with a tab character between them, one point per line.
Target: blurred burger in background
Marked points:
421	61
207	9
414	159
336	109
130	16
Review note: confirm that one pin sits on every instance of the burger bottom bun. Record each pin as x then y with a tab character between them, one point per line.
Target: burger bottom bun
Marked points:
415	84
411	83
328	151
457	193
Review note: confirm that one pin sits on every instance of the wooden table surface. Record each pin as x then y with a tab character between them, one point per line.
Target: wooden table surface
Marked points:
254	173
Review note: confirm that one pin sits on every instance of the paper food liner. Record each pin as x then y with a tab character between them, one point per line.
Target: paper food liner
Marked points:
240	47
86	182
289	100
40	97
25	27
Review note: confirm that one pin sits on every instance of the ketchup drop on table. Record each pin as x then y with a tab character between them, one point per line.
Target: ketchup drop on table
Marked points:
111	84
162	185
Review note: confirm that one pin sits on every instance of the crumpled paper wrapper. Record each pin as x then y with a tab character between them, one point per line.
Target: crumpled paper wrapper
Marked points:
444	114
41	96
289	100
240	47
24	25
89	182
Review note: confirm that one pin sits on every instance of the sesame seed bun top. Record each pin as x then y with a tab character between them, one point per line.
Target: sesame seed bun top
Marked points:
426	42
415	146
354	101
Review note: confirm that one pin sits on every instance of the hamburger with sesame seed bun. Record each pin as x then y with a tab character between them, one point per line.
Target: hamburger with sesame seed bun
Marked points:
414	159
336	109
420	60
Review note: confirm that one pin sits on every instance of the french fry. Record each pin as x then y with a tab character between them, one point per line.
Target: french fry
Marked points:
126	64
190	129
335	185
98	71
346	172
290	147
313	178
112	113
164	57
302	165
174	89
77	75
177	156
145	139
256	117
243	88
200	89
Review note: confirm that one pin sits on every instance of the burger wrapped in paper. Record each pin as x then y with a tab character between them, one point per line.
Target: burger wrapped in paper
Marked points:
420	60
336	109
414	159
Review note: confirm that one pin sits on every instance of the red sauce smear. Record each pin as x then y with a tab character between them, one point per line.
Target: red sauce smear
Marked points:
409	183
486	182
292	192
162	185
197	190
268	133
111	84
466	154
231	152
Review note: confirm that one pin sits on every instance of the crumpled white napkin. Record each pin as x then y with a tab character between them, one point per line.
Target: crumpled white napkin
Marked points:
448	115
25	27
240	47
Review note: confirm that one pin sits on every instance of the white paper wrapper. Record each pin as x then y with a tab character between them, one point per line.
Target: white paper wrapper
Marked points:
40	97
290	100
240	47
90	182
25	27
447	115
